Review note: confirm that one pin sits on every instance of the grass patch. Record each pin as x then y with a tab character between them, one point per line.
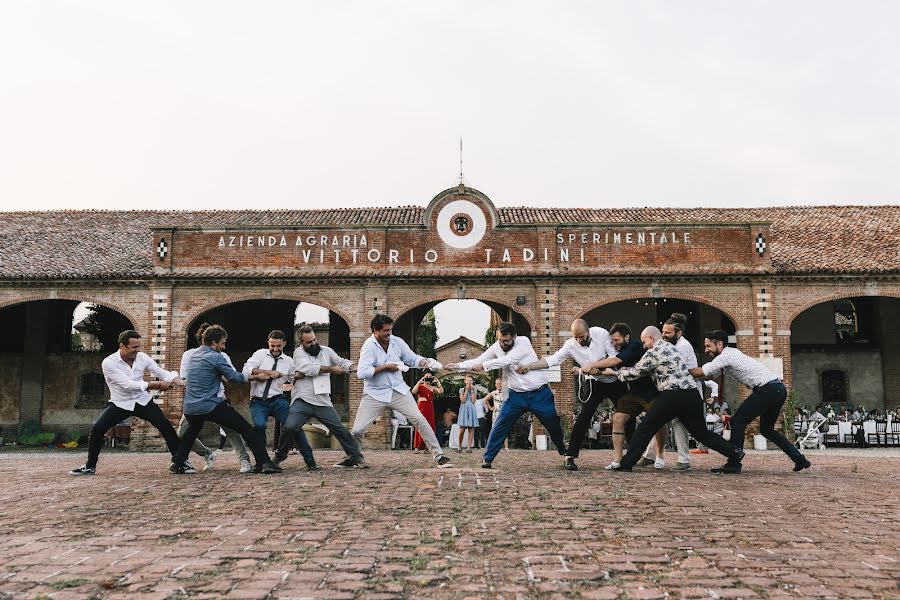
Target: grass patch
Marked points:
69	583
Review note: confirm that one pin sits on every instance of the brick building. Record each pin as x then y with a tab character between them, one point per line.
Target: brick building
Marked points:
460	349
814	292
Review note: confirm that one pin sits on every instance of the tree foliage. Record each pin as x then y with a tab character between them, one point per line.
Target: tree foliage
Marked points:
426	336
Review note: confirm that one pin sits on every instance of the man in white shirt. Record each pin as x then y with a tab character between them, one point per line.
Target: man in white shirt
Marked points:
587	345
124	372
528	392
314	365
769	395
382	359
270	371
236	441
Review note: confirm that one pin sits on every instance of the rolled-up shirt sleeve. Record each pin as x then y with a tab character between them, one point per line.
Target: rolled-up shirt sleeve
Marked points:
487	355
161	373
713	388
227	370
558	357
514	357
409	358
252	363
366	367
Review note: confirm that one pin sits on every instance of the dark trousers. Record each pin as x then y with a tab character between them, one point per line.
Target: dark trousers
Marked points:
112	415
676	404
599	391
299	414
539	403
765	402
484	428
227	417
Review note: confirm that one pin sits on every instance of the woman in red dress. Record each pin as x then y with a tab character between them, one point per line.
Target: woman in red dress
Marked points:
424	391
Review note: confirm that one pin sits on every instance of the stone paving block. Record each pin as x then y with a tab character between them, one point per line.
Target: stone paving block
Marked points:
404	529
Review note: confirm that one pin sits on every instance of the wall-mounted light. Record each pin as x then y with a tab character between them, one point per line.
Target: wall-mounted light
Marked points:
520	300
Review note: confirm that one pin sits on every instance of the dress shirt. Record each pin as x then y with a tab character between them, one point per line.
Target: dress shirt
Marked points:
600	347
663	364
382	386
310	366
686	351
187	355
520	354
203	376
748	371
126	383
263	360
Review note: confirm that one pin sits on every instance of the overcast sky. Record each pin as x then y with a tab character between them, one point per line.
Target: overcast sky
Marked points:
128	105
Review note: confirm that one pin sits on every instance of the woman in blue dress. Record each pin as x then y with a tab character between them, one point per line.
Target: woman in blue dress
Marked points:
468	418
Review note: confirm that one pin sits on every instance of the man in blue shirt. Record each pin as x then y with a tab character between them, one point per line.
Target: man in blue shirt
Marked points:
202	402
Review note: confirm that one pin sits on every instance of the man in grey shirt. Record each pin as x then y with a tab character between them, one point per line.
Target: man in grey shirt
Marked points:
311	394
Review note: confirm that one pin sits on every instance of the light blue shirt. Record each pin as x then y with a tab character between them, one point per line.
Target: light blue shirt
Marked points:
382	386
205	368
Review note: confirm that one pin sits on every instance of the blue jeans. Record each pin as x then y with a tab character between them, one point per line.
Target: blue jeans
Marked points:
278	408
539	403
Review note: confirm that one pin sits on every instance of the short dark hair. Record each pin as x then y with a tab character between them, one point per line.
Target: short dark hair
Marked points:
276	334
305	329
507	328
621	328
214	334
678	321
199	335
717	335
379	321
127	335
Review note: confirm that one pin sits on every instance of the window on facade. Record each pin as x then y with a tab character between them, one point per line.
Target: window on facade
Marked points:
846	322
91	391
834	387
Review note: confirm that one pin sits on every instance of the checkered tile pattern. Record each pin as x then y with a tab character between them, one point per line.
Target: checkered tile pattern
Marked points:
760	244
162	249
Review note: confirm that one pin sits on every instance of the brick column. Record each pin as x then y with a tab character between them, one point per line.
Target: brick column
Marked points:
143	435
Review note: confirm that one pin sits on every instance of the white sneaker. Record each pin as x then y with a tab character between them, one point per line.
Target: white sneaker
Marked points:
246	467
612	465
660	463
210	458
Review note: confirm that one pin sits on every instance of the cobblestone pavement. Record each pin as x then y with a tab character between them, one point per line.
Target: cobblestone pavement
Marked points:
526	529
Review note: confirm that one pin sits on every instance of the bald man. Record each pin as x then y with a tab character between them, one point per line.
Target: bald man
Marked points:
677	399
587	345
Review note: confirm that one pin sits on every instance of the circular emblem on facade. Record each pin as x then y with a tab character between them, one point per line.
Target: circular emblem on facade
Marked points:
461	224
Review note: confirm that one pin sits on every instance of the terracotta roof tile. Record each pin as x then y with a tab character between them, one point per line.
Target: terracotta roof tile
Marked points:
112	244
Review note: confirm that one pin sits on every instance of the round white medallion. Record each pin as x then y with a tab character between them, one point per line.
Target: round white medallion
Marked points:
461	224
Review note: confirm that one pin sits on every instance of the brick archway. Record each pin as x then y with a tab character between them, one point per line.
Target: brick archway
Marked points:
484	298
579	313
74	298
192	317
832	297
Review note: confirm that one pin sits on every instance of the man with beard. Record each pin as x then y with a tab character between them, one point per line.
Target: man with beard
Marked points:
587	345
676	398
311	394
640	395
769	395
528	392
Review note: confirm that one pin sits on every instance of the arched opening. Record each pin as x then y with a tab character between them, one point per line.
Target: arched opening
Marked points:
51	354
249	322
641	312
453	331
845	353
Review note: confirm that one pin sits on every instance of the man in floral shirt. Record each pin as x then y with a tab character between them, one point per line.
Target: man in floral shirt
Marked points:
678	398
